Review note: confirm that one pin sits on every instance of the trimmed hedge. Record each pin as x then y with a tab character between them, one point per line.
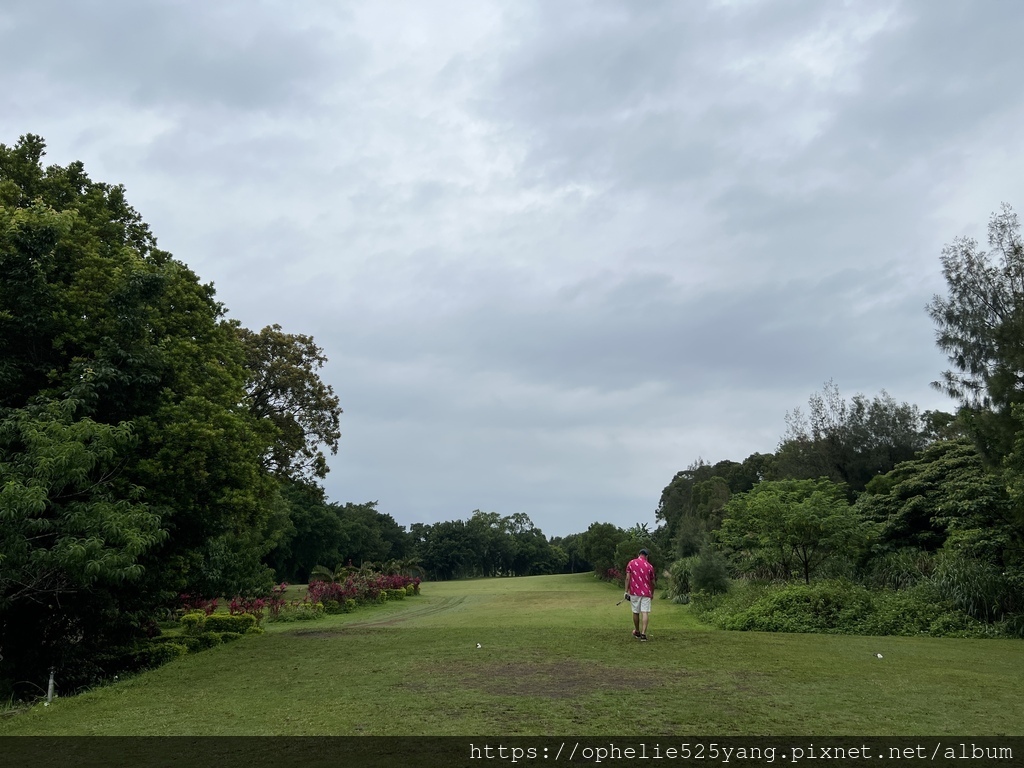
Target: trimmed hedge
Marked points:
195	623
301	612
239	623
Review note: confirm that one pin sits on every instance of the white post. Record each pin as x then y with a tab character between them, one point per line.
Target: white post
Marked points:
49	688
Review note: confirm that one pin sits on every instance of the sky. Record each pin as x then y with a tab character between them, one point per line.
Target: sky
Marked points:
554	252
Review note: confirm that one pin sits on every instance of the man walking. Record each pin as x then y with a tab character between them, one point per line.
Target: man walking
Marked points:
640	578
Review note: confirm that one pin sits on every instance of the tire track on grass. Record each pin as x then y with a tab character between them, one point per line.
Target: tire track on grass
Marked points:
442	605
435	607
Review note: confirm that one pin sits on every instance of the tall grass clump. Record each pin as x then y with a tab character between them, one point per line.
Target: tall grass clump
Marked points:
977	588
900	569
710	572
680	575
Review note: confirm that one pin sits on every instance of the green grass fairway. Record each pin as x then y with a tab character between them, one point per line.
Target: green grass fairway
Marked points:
556	658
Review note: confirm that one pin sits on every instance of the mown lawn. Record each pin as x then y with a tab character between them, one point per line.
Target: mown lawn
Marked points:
556	657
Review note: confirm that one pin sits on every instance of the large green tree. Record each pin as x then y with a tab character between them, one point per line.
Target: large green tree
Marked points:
691	504
980	326
287	394
131	456
949	514
599	543
784	528
945	491
849	442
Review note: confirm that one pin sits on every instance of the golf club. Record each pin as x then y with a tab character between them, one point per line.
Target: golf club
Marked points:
624	598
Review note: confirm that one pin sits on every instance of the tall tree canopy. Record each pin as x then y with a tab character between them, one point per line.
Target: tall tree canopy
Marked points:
286	392
783	527
132	459
946	496
691	504
849	442
980	326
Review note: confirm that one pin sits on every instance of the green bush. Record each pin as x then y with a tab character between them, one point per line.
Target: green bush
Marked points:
227	637
822	607
840	607
410	590
153	655
712	607
350	605
332	606
223	622
906	612
395	594
1013	625
193	623
957	624
193	642
977	588
206	641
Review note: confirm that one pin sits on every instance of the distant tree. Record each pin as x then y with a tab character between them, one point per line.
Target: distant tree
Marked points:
532	553
946	497
286	391
572	546
557	560
496	553
980	326
449	550
636	538
331	535
791	526
370	535
691	505
848	442
599	544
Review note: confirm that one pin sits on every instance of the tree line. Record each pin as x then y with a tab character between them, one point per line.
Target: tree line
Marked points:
926	507
151	448
154	450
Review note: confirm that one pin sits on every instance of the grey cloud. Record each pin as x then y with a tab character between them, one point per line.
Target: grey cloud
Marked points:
553	251
154	54
644	329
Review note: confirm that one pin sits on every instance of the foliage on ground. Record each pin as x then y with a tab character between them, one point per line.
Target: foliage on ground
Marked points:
555	657
841	607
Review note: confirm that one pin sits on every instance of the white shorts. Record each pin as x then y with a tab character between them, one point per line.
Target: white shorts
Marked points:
640	604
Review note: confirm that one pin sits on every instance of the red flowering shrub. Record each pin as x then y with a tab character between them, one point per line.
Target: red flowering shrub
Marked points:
257	605
193	603
363	588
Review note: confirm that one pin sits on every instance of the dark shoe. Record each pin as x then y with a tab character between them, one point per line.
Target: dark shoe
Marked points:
636	634
643	638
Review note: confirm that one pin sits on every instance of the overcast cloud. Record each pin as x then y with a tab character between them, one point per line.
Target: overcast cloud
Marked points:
554	251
